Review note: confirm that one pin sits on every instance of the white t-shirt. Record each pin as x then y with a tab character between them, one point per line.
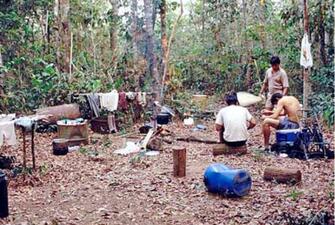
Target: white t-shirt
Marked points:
235	121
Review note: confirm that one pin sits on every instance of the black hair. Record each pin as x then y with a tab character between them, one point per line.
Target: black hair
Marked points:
231	98
274	60
275	98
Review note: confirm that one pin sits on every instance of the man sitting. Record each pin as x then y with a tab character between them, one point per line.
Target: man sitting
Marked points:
233	121
290	107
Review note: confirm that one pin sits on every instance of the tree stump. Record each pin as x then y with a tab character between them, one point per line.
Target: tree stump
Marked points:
179	161
282	175
60	146
221	149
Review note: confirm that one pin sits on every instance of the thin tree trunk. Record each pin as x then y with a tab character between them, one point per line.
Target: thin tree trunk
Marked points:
113	26
169	48
306	85
134	29
164	38
62	8
203	20
322	36
2	75
151	58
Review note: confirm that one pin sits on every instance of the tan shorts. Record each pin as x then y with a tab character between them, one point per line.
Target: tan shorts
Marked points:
268	103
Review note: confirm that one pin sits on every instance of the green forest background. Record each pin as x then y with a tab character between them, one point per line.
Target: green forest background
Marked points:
52	48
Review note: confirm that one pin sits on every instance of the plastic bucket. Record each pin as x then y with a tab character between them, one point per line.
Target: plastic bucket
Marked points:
222	180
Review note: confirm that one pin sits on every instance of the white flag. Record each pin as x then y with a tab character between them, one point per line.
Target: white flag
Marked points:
306	59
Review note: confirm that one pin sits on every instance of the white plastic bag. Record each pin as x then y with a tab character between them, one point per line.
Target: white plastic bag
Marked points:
306	59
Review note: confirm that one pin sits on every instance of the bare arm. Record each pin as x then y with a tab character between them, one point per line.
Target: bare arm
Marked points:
252	123
278	110
285	90
264	85
218	127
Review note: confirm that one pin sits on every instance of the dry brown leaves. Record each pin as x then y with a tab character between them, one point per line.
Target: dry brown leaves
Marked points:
95	186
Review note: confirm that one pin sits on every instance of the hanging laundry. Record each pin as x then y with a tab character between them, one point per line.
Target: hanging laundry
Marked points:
93	101
123	104
306	59
7	133
109	101
141	98
7	117
131	96
111	123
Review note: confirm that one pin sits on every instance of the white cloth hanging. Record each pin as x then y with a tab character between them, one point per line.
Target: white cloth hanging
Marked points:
7	133
306	59
110	100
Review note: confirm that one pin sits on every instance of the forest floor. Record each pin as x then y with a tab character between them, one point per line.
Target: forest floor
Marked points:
95	186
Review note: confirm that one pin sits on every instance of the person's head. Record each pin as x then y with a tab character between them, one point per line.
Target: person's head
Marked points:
275	63
231	98
275	98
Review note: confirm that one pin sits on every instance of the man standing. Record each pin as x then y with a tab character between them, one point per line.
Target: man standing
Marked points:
275	81
287	104
233	121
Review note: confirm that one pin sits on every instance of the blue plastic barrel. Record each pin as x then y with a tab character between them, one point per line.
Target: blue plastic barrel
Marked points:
222	180
289	135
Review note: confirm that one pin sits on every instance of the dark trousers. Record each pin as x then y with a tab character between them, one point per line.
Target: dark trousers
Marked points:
231	143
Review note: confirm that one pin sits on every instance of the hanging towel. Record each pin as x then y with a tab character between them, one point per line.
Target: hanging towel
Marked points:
306	59
109	101
93	101
7	133
123	104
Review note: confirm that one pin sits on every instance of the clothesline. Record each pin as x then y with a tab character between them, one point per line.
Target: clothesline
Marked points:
113	100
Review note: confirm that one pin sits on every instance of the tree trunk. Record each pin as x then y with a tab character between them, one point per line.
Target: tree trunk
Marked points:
282	175
62	8
113	26
167	55
151	58
322	36
2	75
134	30
306	85
164	39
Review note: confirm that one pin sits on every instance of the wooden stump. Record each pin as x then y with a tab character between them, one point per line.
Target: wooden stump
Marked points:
225	149
179	161
282	175
60	146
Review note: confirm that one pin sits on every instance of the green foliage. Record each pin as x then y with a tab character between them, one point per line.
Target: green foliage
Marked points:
295	194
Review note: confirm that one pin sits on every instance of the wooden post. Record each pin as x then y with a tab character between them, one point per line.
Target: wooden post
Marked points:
306	85
33	144
282	175
179	161
24	146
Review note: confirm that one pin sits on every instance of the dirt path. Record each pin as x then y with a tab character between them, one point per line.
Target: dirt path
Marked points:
95	186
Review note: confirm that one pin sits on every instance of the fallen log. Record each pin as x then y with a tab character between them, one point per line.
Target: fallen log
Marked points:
179	161
221	149
195	139
282	175
55	113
